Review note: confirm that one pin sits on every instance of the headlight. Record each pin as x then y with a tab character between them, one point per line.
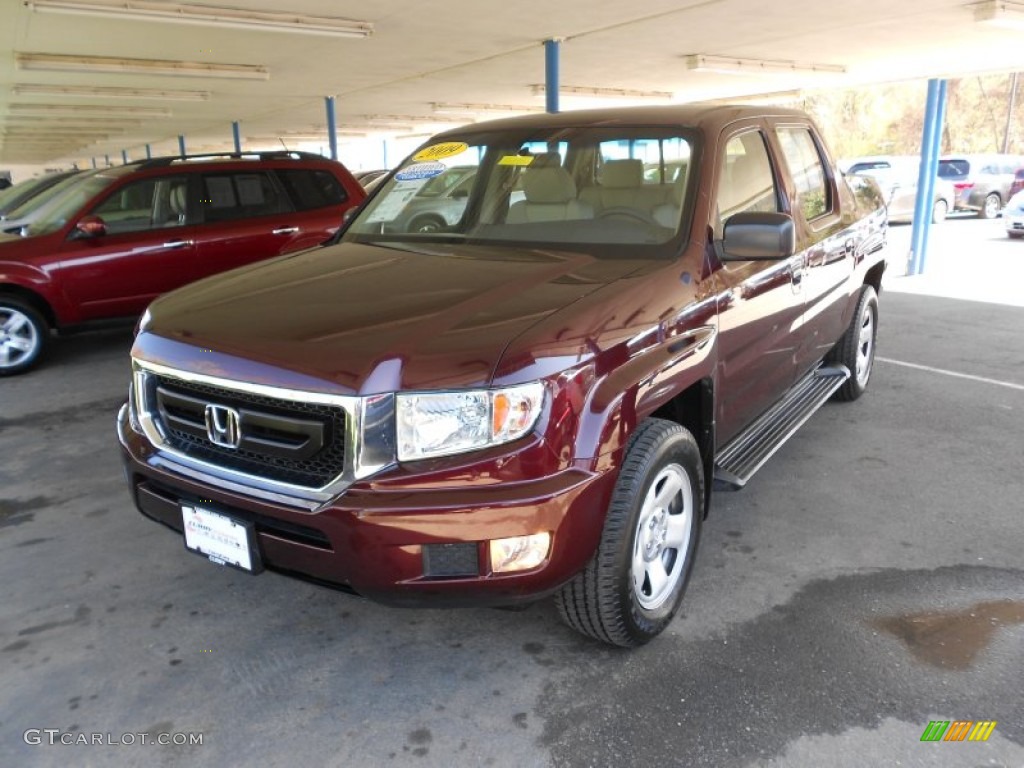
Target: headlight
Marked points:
442	423
143	322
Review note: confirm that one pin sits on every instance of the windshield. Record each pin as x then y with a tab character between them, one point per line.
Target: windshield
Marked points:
18	195
26	207
591	189
60	208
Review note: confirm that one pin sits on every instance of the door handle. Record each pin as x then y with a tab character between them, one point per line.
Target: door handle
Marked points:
284	231
177	244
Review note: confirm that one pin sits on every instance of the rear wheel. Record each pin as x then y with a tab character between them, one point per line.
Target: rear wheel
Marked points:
23	335
939	211
856	350
633	586
990	209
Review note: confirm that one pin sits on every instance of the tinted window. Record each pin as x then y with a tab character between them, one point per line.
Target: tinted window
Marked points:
951	168
745	182
808	171
228	196
868	166
144	204
312	189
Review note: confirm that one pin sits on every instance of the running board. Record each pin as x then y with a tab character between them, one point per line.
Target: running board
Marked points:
746	453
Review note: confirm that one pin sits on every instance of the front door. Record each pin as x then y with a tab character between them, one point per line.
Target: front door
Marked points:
148	249
760	301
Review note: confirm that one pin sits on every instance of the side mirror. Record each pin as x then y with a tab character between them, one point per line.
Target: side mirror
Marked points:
90	226
753	236
459	194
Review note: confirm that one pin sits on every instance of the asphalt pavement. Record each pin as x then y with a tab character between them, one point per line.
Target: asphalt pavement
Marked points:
869	580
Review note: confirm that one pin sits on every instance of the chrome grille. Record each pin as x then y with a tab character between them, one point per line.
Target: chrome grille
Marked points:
293	442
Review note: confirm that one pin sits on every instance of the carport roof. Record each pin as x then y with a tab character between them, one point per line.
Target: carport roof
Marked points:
430	66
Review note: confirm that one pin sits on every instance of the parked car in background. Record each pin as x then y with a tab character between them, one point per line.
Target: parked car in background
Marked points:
19	194
438	203
982	182
897	177
1013	216
122	236
368	177
1018	182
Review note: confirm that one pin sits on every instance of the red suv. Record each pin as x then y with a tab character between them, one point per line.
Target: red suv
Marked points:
122	236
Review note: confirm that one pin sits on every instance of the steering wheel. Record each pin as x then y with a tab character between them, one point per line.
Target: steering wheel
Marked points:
624	211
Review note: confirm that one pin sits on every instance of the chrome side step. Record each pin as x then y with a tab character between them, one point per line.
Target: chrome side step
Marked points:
746	453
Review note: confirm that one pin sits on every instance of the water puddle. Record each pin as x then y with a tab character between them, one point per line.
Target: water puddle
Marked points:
952	640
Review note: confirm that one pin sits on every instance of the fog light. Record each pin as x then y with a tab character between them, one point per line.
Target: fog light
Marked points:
519	553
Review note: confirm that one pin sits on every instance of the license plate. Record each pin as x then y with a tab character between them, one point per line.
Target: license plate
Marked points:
220	538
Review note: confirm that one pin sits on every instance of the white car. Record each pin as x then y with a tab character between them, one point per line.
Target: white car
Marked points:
1013	216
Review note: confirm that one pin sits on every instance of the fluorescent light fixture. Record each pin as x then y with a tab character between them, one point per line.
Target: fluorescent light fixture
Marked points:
613	93
68	121
728	65
397	119
76	110
449	108
1000	14
208	16
759	99
108	92
52	62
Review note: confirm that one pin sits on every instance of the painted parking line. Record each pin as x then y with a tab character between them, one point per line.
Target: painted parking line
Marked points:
954	374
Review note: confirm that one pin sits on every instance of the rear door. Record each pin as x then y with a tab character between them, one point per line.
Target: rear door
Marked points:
246	216
826	246
148	249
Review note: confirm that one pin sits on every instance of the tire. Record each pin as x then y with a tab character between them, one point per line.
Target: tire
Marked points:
991	207
23	335
939	211
1015	235
426	224
633	586
856	349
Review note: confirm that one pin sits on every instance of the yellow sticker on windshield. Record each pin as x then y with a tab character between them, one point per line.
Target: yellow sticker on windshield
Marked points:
516	160
438	151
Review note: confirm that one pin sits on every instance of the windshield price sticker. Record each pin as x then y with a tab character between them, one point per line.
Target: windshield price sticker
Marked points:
391	205
440	151
421	171
516	160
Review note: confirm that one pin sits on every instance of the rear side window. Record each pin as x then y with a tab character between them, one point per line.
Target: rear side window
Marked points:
228	196
312	189
808	171
951	168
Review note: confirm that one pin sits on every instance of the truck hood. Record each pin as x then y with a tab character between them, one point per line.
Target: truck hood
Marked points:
372	318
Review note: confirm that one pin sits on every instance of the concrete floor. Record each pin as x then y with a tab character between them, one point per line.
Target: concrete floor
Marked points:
868	580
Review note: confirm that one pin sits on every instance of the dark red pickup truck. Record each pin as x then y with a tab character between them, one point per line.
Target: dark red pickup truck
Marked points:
535	399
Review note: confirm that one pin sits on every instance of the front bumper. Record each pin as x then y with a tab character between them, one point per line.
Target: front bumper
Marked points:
382	537
1014	222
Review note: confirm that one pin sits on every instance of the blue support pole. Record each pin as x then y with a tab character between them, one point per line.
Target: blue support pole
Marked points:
149	152
237	134
551	50
106	161
181	145
332	127
384	145
124	157
931	139
94	162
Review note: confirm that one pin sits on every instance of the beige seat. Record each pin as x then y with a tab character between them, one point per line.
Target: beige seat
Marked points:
178	204
550	196
621	185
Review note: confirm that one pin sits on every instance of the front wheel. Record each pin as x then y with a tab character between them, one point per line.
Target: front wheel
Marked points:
939	211
633	586
856	350
23	335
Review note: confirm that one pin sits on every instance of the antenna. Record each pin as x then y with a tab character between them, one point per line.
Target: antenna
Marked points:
283	144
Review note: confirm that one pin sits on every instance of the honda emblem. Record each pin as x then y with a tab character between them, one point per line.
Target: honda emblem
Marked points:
222	426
